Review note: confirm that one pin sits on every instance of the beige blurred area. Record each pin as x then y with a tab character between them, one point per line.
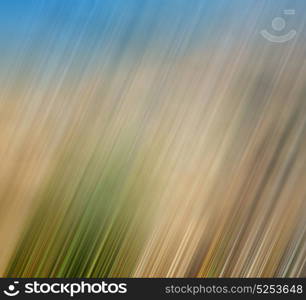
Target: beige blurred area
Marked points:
24	163
225	130
233	203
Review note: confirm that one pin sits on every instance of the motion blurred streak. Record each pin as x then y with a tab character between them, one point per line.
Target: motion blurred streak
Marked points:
151	139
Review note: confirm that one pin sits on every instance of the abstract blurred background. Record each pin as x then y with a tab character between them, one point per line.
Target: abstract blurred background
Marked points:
152	138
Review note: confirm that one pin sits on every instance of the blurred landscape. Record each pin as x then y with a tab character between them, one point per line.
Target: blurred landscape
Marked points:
151	139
